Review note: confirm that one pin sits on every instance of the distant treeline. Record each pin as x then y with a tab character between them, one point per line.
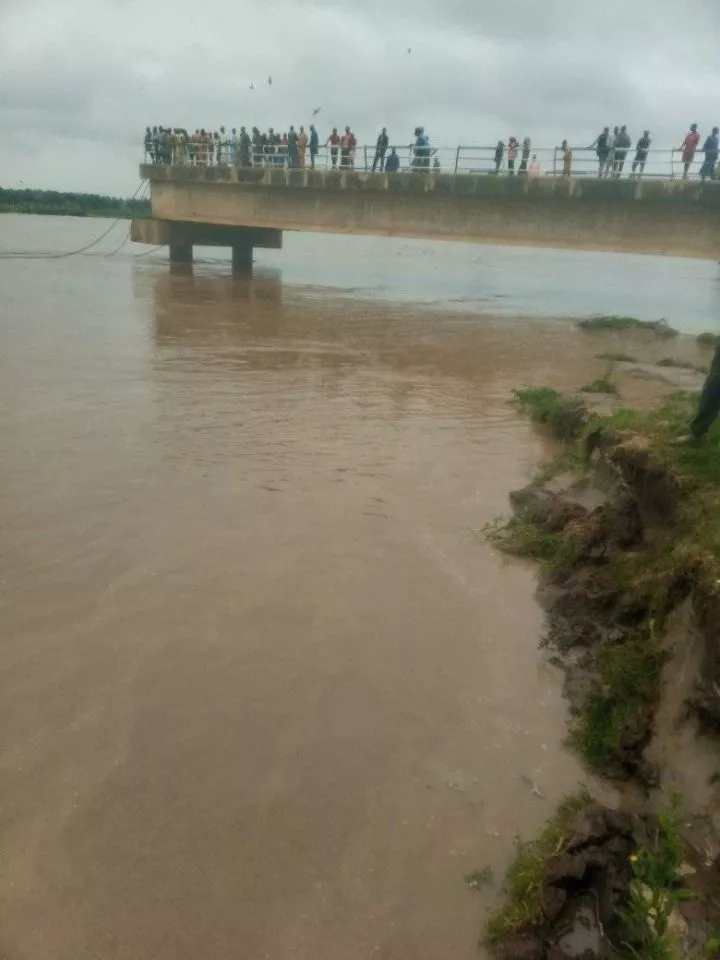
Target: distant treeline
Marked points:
53	202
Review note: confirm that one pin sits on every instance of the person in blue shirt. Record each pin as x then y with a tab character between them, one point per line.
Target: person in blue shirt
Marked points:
392	164
421	152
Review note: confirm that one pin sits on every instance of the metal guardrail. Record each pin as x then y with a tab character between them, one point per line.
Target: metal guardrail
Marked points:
543	161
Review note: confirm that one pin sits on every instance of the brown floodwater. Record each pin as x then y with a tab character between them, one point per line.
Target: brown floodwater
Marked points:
265	691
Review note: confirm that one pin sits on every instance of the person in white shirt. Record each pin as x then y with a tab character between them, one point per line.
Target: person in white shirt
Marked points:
610	161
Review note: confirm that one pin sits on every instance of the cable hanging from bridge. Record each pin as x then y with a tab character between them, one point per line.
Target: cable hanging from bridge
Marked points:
30	255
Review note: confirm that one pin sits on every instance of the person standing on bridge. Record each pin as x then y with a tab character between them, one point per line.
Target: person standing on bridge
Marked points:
602	148
314	145
512	152
622	145
380	150
610	158
244	148
392	164
711	148
567	156
499	153
688	147
293	147
334	141
525	157
641	154
302	145
345	140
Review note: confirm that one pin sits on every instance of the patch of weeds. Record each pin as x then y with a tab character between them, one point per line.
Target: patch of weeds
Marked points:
520	537
708	339
617	322
627	687
613	357
564	416
480	878
656	889
603	384
526	877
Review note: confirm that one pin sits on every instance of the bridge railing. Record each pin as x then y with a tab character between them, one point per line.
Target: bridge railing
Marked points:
458	160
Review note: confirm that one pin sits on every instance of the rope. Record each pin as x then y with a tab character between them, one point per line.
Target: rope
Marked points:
28	255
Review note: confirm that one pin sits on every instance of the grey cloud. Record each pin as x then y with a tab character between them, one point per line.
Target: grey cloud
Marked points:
79	81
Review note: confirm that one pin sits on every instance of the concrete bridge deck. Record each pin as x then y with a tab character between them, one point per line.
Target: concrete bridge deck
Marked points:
247	207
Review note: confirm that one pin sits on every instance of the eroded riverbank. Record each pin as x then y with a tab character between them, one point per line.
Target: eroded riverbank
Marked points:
624	523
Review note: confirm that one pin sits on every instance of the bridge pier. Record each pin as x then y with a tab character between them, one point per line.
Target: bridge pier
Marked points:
242	257
182	235
180	252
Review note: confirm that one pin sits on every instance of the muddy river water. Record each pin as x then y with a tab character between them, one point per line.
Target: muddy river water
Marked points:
265	691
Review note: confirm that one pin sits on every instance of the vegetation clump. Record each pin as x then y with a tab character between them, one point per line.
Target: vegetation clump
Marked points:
617	323
617	571
616	357
603	384
526	879
708	339
564	416
656	888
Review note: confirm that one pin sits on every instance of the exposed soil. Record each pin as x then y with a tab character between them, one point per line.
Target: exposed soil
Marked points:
606	588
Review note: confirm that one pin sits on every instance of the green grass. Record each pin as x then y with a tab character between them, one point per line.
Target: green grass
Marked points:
603	384
628	683
525	879
616	323
520	537
645	583
564	416
613	357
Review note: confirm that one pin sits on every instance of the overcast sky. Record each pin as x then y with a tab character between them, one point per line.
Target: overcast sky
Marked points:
79	79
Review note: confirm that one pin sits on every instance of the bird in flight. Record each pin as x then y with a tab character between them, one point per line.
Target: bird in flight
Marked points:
252	85
270	81
409	49
316	111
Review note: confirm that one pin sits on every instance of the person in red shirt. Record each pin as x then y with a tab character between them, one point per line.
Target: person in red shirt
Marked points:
689	146
512	152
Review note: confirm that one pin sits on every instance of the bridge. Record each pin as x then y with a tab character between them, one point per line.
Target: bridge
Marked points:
247	207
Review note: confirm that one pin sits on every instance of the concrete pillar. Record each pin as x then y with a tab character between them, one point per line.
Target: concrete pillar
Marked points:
242	256
181	253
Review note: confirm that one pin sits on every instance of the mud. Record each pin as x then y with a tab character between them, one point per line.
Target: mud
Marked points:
583	890
605	582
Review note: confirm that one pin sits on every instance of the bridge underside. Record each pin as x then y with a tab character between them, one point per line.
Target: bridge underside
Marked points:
181	236
247	207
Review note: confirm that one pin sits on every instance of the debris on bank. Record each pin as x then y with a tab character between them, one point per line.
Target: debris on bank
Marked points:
614	568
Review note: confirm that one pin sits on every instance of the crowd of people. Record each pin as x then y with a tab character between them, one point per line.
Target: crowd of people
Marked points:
166	145
611	150
176	145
